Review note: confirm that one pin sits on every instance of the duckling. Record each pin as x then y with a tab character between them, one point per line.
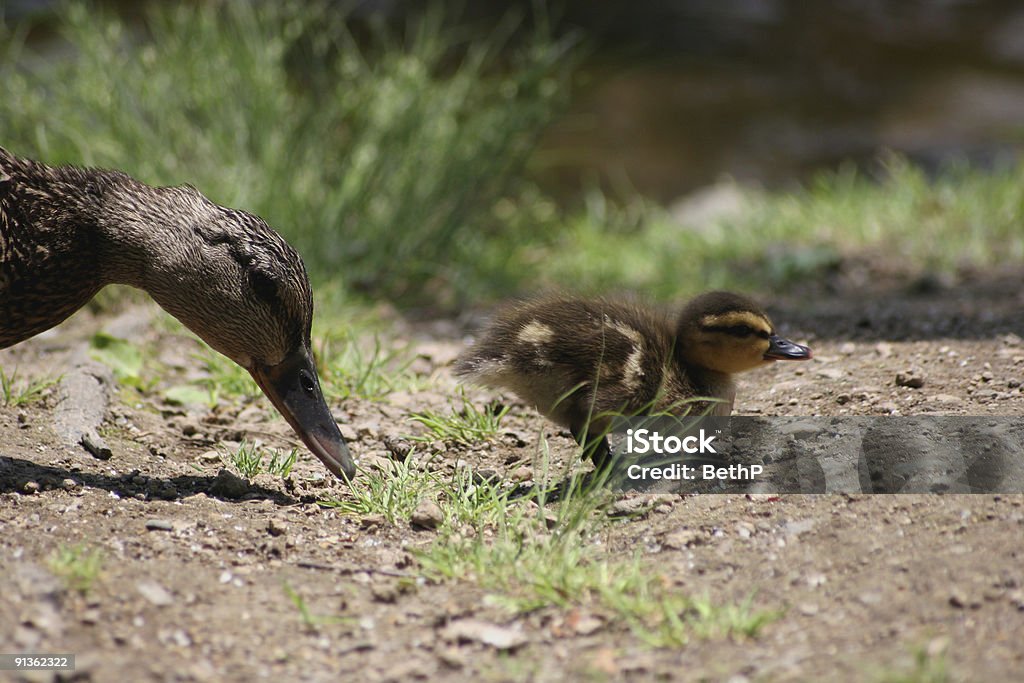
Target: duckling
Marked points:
577	360
67	232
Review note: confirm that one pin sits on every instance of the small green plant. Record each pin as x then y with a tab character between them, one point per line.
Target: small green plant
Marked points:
16	393
531	556
77	565
225	377
394	494
929	666
309	620
250	459
465	424
121	356
355	370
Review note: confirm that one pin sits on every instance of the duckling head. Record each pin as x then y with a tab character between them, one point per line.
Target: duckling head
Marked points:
231	279
729	333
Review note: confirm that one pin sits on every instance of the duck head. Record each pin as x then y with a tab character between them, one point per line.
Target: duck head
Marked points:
231	279
729	333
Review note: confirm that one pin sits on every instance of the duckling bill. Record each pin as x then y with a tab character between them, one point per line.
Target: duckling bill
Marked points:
67	232
579	360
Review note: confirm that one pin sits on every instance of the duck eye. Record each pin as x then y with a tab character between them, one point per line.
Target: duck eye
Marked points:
264	286
307	383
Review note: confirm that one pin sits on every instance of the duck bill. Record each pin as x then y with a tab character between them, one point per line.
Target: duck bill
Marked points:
294	388
783	349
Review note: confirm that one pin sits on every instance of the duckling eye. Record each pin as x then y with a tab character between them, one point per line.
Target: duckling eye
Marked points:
733	330
307	383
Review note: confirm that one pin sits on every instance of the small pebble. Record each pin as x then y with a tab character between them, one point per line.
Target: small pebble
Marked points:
277	527
521	474
427	515
158	525
909	379
154	593
210	458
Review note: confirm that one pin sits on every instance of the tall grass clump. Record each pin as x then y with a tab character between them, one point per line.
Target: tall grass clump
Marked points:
961	217
379	152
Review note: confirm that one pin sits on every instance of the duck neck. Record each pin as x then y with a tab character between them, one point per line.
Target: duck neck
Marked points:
148	236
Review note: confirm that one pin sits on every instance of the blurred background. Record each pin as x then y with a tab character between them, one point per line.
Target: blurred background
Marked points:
445	155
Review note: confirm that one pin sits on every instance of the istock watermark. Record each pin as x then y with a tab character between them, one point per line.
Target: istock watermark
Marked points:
643	441
855	454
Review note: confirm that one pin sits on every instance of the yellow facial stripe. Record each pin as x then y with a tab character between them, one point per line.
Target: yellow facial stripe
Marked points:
735	318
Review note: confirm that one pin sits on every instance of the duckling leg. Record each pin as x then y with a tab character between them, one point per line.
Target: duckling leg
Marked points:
595	445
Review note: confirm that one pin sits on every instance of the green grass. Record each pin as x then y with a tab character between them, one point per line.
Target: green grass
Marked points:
531	557
927	667
397	162
121	356
353	367
464	424
252	459
962	217
393	494
77	566
310	621
14	393
380	158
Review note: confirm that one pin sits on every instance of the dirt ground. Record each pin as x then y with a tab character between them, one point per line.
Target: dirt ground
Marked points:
196	576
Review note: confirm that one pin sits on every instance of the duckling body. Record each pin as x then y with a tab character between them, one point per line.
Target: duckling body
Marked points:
579	360
66	232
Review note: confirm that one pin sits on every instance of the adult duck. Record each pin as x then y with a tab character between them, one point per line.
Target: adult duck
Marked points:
66	232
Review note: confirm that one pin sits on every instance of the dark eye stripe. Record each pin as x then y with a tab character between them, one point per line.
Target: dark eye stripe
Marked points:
736	330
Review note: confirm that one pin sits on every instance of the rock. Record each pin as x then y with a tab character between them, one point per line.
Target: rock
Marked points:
702	209
386	593
960	600
83	396
909	378
452	657
808	609
633	505
31	487
228	485
475	630
830	373
154	593
485	476
587	624
158	525
800	429
427	515
521	474
400	449
947	398
210	458
277	527
683	538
